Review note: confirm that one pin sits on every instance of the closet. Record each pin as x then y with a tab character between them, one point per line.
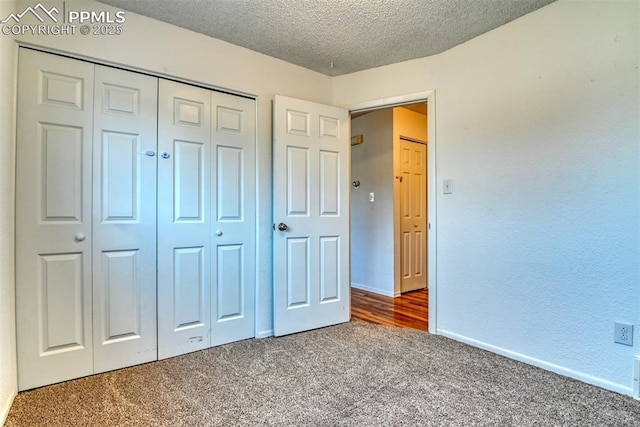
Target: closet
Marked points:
135	218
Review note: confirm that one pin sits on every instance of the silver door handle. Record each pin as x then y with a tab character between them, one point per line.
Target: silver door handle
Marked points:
80	237
165	155
150	153
283	227
218	233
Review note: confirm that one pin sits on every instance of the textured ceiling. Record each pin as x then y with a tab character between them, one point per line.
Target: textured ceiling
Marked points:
352	35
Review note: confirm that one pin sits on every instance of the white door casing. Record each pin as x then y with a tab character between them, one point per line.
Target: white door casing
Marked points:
413	215
311	215
124	218
53	219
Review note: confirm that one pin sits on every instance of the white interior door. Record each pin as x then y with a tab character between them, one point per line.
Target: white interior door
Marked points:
234	218
413	215
124	218
184	219
53	219
311	215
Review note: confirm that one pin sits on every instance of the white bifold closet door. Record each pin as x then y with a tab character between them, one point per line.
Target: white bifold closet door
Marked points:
206	254
121	176
85	219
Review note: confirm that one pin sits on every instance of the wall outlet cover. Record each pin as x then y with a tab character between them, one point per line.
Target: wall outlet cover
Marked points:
623	333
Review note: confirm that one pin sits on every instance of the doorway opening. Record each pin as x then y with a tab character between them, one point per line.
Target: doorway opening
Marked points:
389	215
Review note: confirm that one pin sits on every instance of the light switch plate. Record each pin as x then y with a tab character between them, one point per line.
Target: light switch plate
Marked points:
447	186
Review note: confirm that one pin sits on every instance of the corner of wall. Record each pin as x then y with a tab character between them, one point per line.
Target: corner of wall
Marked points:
8	73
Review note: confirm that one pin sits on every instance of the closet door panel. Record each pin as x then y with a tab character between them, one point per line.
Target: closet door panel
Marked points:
184	219
233	204
53	219
124	219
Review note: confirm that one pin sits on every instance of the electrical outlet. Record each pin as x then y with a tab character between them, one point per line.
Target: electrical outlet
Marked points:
623	333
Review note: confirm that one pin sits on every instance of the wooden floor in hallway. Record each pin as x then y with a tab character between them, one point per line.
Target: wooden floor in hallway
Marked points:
410	310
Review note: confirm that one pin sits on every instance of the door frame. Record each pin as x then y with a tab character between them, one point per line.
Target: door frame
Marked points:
428	96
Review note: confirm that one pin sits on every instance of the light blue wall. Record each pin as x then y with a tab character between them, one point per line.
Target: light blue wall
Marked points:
372	223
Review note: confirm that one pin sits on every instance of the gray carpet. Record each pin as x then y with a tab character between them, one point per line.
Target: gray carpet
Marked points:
355	374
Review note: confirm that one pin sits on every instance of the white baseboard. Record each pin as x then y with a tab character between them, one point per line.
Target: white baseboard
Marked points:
374	290
4	411
576	375
264	334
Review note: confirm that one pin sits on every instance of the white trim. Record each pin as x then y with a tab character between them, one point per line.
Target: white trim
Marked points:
264	334
4	413
374	290
390	101
428	96
561	370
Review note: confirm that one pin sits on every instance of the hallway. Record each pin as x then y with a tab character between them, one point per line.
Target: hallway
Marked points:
410	310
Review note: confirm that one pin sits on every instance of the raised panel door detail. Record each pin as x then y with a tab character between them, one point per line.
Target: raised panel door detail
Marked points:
189	287
61	300
298	123
61	90
329	128
298	280
121	100
188	113
230	180
407	254
418	244
297	181
121	316
230	282
419	195
61	173
120	177
188	181
329	183
229	120
329	268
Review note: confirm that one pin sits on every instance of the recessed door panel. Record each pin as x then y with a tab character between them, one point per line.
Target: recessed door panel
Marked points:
61	173
120	176
329	268
297	181
188	184
298	280
60	295
329	183
230	282
230	185
53	219
122	302
63	90
189	288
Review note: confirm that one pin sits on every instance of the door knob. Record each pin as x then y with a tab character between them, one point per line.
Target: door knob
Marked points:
218	233
150	153
80	237
165	155
283	227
